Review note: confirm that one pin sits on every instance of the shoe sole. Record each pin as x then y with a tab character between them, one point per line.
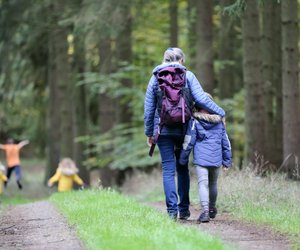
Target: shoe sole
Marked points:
203	221
184	218
213	214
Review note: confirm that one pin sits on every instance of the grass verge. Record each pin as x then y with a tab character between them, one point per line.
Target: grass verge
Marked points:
16	200
271	200
105	219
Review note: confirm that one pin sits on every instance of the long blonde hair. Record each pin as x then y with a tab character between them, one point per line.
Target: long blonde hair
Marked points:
67	165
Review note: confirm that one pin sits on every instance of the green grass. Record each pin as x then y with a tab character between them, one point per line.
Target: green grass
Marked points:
105	219
16	200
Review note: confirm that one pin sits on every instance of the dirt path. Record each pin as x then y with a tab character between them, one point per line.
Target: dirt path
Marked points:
242	235
39	225
36	226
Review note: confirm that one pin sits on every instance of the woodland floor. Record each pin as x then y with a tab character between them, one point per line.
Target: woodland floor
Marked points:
39	225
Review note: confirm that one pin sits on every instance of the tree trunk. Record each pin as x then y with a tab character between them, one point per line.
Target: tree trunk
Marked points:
192	37
54	102
124	54
66	90
173	23
60	129
270	70
110	177
80	105
107	108
227	49
277	76
253	83
290	74
81	130
204	61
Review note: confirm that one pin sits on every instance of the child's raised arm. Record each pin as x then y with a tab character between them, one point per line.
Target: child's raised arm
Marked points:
23	143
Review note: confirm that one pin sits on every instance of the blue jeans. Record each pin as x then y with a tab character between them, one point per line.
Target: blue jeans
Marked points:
169	148
17	169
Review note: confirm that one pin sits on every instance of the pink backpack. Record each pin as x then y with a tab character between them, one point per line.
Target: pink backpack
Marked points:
174	99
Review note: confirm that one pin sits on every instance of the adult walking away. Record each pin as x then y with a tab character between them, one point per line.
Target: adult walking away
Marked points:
170	139
206	136
12	152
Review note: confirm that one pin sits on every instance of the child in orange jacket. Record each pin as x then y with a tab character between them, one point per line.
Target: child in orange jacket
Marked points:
66	175
3	177
12	153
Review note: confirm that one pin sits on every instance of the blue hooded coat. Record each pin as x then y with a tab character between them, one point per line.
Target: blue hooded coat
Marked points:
151	116
206	135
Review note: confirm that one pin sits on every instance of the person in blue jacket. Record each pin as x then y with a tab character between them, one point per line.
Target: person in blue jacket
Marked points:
170	139
206	135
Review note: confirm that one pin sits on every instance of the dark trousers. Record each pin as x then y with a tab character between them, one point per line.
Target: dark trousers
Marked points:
17	170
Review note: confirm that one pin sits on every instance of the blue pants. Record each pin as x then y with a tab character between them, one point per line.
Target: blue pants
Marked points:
169	147
17	169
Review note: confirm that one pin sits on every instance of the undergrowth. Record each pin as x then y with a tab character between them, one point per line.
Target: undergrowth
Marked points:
271	200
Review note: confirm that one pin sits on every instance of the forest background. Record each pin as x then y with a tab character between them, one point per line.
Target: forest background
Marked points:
73	76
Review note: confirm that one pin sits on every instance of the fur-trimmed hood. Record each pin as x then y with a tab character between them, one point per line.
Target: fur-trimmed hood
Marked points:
207	120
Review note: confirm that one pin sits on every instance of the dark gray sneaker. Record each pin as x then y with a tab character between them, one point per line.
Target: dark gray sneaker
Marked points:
19	185
212	212
204	217
184	215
